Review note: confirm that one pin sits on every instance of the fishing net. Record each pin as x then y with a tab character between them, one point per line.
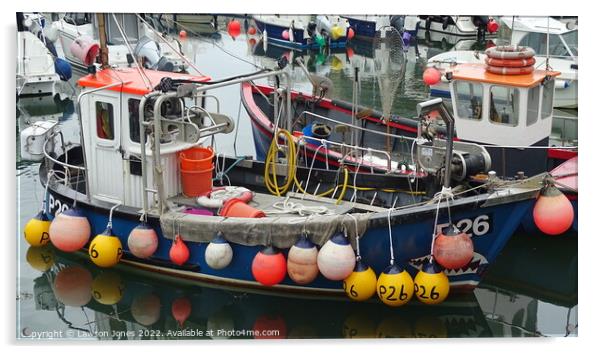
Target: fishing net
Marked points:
389	69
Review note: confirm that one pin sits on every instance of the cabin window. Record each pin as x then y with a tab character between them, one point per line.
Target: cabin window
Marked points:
539	41
547	101
133	111
469	99
104	120
503	107
533	105
129	24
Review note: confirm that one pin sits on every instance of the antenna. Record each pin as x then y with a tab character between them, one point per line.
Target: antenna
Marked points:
548	47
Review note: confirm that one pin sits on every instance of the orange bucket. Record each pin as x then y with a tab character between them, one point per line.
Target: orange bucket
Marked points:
196	183
196	159
239	209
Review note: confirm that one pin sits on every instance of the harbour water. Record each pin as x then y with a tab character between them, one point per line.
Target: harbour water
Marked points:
531	290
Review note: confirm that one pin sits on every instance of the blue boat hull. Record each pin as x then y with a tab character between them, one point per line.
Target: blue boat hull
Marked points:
411	239
274	33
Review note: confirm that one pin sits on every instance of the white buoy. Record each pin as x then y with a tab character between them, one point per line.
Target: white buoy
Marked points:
336	258
218	253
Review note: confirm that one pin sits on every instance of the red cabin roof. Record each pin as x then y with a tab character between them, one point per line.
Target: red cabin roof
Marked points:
134	82
477	72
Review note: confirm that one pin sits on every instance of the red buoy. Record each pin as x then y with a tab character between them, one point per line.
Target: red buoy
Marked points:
350	33
183	34
553	213
492	26
350	52
181	309
285	35
251	31
179	253
453	249
234	28
269	266
269	327
431	76
252	42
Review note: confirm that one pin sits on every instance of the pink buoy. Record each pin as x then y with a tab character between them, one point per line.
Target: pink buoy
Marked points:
302	261
183	34
285	35
553	212
143	241
179	252
146	309
336	258
431	76
85	49
453	249
251	31
70	230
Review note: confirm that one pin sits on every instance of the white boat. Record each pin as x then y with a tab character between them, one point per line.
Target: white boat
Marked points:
73	26
36	74
436	26
531	32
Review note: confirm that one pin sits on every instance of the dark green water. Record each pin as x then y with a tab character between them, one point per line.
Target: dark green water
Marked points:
531	290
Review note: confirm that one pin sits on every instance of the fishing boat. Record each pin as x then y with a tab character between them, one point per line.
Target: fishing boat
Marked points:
464	26
303	31
533	32
38	68
368	27
78	34
524	128
116	179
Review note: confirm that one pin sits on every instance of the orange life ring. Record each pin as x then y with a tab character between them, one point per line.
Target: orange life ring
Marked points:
509	52
509	71
512	63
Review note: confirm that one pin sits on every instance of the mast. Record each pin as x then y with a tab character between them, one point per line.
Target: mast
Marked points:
102	36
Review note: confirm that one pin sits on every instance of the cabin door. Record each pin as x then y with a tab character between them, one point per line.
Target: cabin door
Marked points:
106	175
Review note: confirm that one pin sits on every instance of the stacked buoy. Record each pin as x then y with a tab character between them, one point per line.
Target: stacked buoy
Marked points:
510	60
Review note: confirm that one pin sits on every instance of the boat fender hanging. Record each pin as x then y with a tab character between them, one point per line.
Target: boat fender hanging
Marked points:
336	259
143	241
269	266
105	249
69	230
179	253
361	284
553	212
453	249
218	254
85	49
395	286
36	230
302	261
431	285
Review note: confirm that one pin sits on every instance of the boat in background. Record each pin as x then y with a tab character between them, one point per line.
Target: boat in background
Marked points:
37	61
480	27
530	32
303	31
78	36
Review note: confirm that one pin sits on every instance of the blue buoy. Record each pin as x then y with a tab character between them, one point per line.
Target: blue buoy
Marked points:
62	68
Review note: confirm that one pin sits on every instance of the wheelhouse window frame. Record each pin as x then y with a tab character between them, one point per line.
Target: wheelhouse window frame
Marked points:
499	111
107	135
472	104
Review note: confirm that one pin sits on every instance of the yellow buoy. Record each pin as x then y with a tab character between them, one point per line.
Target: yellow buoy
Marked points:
105	249
36	230
394	326
395	287
359	324
40	258
361	284
337	32
431	285
108	288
